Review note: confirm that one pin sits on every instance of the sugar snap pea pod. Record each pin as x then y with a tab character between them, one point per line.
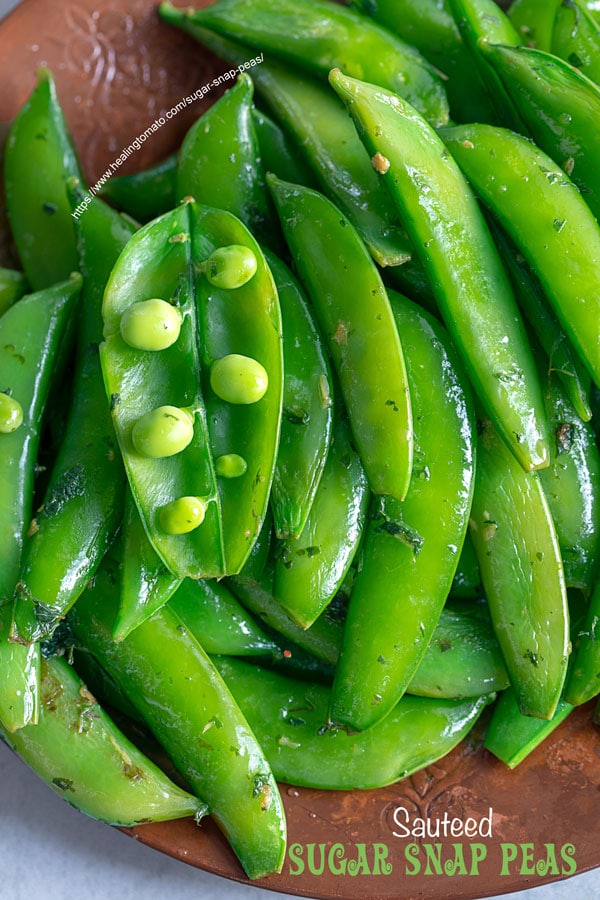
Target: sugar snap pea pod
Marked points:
428	25
146	584
318	35
512	176
307	415
534	21
102	686
521	567
323	639
316	120
563	362
353	311
454	245
157	267
184	702
576	38
583	681
218	620
241	344
462	659
538	84
144	195
511	736
310	569
12	286
82	755
38	158
467	578
572	487
279	154
83	504
290	720
409	556
219	161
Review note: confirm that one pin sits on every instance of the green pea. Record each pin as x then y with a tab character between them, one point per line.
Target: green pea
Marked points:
231	267
151	325
239	379
231	465
163	431
182	515
11	414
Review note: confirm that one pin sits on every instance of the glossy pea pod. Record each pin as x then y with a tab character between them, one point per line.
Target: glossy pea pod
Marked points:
219	162
511	176
319	36
307	413
353	310
467	578
290	720
534	21
313	117
31	332
38	158
576	38
538	84
571	484
82	755
521	567
12	286
428	25
410	550
278	152
310	569
83	504
144	195
182	699
146	584
583	682
453	243
241	345
511	736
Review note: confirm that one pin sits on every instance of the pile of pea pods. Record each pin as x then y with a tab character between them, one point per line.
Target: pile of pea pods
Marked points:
298	461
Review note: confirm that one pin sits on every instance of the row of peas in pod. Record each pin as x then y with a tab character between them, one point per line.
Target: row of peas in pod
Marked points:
303	418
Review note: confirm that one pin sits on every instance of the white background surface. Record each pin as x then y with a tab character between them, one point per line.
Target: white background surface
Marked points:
49	851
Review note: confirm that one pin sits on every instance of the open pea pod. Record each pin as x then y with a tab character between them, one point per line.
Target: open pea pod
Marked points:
522	572
411	549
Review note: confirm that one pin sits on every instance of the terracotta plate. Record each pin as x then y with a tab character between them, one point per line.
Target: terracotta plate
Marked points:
118	69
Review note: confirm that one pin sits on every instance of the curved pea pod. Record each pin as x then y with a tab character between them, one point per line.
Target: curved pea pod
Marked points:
428	25
12	286
244	321
184	702
410	550
278	152
521	567
144	195
38	158
310	569
572	487
538	84
307	414
158	263
146	584
352	308
290	720
534	21
449	235
562	245
218	620
319	36
511	736
313	116
324	637
576	38
463	659
82	507
219	160
583	682
563	362
82	755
